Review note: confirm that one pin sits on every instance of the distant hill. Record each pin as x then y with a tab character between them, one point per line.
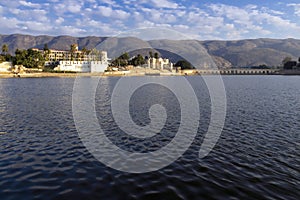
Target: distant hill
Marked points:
250	52
225	54
58	42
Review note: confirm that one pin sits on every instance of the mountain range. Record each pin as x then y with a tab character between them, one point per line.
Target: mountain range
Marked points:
225	54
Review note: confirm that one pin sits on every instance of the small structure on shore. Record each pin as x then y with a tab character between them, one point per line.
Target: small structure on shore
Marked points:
159	63
5	67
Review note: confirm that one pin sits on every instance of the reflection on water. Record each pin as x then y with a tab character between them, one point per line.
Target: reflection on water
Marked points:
257	156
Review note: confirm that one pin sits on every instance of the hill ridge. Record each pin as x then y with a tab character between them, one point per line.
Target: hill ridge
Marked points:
226	53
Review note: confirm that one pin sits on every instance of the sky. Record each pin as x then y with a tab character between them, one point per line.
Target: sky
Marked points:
198	19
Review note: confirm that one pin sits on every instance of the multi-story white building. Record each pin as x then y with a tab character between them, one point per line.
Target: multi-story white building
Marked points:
95	61
76	61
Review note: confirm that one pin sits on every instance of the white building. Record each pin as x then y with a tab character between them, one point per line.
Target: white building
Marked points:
96	61
76	61
5	66
160	64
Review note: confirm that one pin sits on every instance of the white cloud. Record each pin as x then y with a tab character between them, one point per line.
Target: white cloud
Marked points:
296	8
15	11
71	30
120	14
237	15
276	21
59	20
105	11
8	24
30	14
74	7
29	4
96	17
164	4
35	26
109	2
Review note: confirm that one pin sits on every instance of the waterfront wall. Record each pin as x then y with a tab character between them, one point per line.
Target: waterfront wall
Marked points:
82	66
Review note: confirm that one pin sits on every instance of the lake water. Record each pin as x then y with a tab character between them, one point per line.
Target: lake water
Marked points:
256	157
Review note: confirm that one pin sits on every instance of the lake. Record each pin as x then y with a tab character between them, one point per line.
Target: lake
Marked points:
256	157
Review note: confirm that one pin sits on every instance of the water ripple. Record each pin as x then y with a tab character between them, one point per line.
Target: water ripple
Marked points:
257	156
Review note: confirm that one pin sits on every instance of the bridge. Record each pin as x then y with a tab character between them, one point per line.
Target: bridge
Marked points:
239	71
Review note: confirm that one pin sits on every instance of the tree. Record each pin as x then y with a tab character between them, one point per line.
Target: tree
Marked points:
46	48
156	55
138	60
124	56
184	64
122	60
290	65
286	59
29	58
5	56
4	49
46	52
84	52
73	49
150	54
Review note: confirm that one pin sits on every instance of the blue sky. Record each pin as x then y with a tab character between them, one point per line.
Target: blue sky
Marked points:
200	19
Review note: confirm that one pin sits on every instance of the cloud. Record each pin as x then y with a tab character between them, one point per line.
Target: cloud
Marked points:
8	24
296	8
29	4
29	14
38	27
105	11
237	15
59	20
120	14
97	17
164	4
110	2
74	8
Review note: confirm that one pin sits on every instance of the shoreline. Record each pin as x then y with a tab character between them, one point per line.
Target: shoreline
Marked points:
124	74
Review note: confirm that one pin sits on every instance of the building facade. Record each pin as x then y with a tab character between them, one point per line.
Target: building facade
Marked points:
160	64
76	60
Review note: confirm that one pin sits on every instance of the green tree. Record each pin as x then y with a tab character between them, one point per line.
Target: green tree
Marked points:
150	54
73	49
4	49
286	59
137	60
20	57
29	58
5	56
46	52
46	48
84	50
184	64
124	56
122	60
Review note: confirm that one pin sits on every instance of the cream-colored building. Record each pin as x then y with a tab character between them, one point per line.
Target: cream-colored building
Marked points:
78	61
5	66
160	64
